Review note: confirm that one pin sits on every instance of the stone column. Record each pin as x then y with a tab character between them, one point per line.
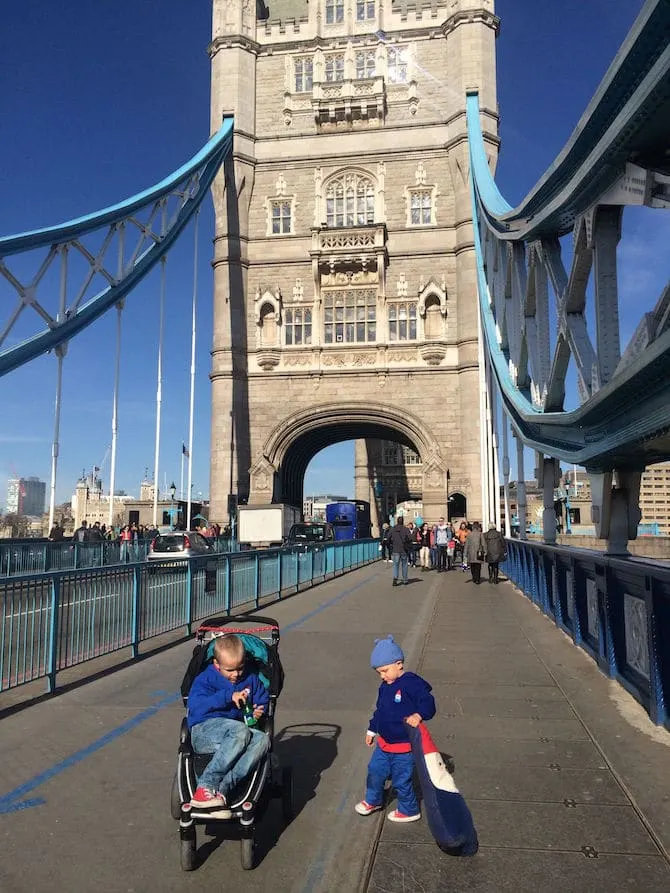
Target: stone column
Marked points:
470	34
233	75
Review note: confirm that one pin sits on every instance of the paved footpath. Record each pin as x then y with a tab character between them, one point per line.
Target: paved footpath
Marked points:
567	779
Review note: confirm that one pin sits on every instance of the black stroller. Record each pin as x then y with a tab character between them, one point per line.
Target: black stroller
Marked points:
248	801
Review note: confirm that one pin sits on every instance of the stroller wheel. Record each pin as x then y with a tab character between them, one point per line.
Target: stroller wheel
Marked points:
287	807
175	799
247	852
187	853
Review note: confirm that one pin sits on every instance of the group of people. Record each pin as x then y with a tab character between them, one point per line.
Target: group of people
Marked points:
440	547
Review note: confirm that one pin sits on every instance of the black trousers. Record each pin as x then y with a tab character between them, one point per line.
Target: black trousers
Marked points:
476	571
493	571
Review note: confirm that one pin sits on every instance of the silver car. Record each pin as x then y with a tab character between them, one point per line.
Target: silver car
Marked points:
178	545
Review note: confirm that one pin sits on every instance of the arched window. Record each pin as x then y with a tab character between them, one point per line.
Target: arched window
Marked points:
350	201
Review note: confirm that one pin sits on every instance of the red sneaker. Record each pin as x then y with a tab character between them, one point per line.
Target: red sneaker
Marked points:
397	816
365	808
206	799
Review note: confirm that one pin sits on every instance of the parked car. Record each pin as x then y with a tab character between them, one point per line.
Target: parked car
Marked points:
176	545
310	532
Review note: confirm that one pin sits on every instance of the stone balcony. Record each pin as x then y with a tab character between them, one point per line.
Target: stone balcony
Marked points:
359	250
353	99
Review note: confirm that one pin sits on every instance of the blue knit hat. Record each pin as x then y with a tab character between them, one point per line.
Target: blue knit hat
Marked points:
386	651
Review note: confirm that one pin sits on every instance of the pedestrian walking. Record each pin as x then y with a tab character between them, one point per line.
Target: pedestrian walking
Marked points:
495	548
401	543
473	551
425	548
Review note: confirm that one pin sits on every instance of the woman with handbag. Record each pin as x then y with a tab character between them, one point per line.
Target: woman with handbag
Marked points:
473	552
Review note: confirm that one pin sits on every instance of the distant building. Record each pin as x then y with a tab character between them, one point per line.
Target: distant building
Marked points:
26	496
655	497
91	504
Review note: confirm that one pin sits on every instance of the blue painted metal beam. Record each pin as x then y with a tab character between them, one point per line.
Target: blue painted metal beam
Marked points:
207	162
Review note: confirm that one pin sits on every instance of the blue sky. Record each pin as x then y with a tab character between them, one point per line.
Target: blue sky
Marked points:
102	99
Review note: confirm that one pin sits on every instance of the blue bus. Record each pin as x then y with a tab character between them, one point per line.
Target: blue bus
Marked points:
350	520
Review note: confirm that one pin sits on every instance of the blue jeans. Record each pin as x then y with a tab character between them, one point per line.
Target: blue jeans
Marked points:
236	748
399	767
399	561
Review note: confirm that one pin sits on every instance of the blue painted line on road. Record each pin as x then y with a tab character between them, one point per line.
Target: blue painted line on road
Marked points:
328	604
8	802
12	802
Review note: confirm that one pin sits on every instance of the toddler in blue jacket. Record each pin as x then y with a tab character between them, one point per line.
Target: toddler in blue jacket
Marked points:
215	717
404	699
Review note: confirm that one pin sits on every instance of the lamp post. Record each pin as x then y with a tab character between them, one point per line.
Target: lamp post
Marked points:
173	490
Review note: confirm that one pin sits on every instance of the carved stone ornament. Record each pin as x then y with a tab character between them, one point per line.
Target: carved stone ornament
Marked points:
268	297
434	477
267	358
262	474
429	289
433	353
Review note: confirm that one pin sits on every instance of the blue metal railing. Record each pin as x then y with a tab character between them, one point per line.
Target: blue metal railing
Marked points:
52	621
39	556
616	609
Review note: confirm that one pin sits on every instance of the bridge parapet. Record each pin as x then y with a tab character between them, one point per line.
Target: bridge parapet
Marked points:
616	610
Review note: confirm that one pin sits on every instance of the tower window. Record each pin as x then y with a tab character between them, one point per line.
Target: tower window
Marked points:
402	321
298	325
350	316
365	9
397	65
281	217
334	11
365	64
303	75
350	201
421	207
334	68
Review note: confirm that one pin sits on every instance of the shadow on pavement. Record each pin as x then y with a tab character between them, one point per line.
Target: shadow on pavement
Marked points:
309	749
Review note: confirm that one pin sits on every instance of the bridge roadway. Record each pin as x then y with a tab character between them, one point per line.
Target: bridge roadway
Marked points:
565	775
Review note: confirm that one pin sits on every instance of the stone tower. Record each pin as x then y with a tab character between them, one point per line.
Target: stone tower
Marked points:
344	270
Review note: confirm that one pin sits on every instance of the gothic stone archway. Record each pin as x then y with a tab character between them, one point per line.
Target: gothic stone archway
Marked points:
278	474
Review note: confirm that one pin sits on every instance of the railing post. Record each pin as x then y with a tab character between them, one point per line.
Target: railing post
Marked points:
136	618
657	706
229	583
53	634
257	580
189	596
311	571
279	557
607	596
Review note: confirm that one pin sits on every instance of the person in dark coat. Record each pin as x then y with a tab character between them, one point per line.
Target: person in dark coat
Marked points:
401	543
473	552
495	548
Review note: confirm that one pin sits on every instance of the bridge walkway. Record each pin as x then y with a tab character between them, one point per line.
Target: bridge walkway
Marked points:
565	775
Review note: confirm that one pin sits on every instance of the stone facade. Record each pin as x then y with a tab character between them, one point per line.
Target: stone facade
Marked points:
344	271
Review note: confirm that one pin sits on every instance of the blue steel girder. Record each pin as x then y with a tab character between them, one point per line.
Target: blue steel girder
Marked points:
619	155
131	237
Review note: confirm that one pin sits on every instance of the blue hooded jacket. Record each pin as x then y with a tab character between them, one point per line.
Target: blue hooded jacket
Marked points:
211	695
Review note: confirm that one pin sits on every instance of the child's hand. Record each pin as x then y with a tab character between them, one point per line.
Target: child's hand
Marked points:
239	699
370	740
413	720
259	710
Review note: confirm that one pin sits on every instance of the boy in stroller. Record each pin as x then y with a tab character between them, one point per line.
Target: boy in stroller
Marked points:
223	702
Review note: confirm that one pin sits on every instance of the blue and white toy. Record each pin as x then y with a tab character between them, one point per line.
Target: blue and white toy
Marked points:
448	816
